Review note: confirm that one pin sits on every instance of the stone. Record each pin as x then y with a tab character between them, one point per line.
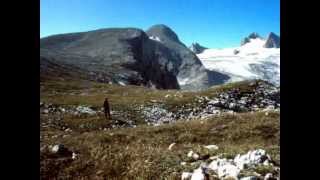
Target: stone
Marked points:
251	159
228	170
85	110
190	154
195	156
74	156
212	147
57	148
224	168
249	178
198	174
45	111
269	176
186	176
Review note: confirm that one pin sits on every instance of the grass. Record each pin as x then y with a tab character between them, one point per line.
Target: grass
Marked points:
142	152
125	98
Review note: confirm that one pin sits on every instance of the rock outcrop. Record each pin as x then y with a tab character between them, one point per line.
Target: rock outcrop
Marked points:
236	168
197	48
273	41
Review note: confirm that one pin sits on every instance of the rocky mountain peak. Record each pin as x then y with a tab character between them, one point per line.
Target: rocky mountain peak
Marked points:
197	48
162	31
253	35
273	41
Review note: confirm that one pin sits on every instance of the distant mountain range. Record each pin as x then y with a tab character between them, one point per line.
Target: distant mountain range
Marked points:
155	58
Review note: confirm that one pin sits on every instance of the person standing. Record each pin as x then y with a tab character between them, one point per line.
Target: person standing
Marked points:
107	109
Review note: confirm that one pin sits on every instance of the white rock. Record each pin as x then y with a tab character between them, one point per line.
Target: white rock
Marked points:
171	146
232	105
190	154
229	170
186	176
249	178
214	157
212	147
85	110
252	158
57	148
198	174
266	163
183	163
74	156
224	168
268	176
195	156
214	102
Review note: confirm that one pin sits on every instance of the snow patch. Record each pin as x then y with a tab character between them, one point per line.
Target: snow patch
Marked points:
155	38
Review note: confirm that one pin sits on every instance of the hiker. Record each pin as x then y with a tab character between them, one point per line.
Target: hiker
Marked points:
107	109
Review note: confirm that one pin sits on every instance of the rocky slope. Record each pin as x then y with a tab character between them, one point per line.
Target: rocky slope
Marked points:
231	130
254	96
125	56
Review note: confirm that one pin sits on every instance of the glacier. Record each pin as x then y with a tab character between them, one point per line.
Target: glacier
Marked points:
252	61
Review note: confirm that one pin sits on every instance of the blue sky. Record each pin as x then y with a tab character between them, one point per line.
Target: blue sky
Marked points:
212	23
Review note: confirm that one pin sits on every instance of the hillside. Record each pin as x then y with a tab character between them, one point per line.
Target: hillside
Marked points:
126	56
235	117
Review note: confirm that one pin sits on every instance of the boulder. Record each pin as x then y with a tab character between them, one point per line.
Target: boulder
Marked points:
186	176
251	159
198	174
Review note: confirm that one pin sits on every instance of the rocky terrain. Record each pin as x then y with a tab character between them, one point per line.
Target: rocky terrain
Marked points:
126	56
261	96
224	132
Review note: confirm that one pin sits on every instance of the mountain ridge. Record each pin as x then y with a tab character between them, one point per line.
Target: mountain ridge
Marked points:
154	58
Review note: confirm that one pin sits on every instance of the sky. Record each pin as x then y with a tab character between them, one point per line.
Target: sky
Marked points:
211	23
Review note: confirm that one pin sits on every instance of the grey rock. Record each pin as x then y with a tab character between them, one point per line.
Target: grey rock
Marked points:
273	41
197	48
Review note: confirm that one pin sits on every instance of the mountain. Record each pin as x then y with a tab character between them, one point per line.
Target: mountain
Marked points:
247	39
185	65
197	48
155	58
252	60
273	41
